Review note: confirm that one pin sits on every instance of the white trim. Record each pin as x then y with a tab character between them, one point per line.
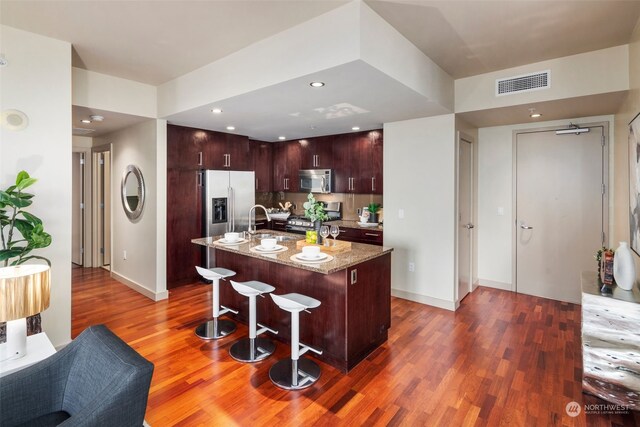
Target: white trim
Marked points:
494	284
155	296
423	299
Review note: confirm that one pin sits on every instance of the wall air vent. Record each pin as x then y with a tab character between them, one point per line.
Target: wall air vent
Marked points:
524	83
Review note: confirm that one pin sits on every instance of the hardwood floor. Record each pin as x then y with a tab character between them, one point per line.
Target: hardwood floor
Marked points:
501	359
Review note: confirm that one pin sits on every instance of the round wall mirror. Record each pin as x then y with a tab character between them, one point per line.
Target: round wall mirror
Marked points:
132	191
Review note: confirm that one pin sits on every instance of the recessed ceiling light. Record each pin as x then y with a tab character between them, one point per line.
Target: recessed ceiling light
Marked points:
216	110
85	121
355	128
282	138
231	128
533	113
97	118
316	84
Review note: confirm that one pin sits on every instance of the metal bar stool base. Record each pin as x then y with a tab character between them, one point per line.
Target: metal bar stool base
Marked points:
215	329
245	350
281	374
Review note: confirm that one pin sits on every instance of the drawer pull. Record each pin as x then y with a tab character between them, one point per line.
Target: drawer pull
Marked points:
372	234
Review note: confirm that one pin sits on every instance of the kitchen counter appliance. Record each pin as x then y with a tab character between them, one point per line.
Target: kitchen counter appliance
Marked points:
228	196
316	180
300	225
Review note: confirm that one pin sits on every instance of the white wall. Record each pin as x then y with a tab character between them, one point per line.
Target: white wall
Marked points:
144	270
419	170
104	92
495	189
37	81
590	73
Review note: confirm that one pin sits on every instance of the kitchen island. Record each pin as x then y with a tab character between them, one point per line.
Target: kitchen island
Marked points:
354	289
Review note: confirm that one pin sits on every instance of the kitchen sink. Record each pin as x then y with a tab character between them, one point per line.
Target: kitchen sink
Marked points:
273	236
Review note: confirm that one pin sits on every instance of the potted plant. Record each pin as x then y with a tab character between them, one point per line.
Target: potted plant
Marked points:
373	211
17	247
314	211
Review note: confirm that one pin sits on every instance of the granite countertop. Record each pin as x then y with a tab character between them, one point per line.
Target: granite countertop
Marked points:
591	285
359	252
352	224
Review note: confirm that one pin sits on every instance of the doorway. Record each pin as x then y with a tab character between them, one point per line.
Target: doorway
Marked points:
465	217
560	209
77	210
102	208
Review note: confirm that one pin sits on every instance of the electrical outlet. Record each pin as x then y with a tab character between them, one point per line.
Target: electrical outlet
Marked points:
124	254
412	267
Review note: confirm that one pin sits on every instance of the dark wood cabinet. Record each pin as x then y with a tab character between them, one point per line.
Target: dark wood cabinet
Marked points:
279	224
185	147
357	162
287	160
184	222
361	235
316	153
226	151
262	161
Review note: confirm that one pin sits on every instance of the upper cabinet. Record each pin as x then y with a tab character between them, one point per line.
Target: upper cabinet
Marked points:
357	162
262	160
315	153
190	148
287	161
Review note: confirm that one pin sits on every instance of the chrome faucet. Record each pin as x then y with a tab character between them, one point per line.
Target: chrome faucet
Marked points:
253	209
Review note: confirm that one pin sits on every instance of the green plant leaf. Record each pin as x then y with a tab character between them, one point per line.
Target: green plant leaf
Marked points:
26	182
19	203
21	176
6	254
31	218
23	260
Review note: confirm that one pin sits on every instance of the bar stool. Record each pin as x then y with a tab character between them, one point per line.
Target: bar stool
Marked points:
216	328
295	373
253	349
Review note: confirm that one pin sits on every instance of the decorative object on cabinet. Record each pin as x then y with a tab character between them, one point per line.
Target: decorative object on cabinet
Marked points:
17	247
132	190
373	212
314	211
605	267
24	292
634	183
624	268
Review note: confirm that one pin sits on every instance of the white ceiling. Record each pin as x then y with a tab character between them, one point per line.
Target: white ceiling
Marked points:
112	121
156	41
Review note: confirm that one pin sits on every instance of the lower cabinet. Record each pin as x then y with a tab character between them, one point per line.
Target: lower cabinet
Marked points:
360	235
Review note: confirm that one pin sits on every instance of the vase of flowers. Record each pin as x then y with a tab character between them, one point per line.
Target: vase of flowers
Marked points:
314	211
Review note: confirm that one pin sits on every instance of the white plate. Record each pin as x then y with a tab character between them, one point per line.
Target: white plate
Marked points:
260	248
224	241
314	261
368	224
303	257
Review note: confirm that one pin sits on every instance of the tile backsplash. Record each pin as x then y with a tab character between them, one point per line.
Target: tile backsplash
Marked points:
350	202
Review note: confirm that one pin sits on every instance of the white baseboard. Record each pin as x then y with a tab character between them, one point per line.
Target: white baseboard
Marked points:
423	299
475	285
494	284
155	296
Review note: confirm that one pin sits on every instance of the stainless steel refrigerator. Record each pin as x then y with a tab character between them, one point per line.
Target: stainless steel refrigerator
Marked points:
228	196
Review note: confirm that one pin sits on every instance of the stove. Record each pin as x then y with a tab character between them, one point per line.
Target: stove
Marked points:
300	225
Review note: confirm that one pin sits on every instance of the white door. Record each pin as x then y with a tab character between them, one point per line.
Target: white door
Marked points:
465	217
559	210
77	210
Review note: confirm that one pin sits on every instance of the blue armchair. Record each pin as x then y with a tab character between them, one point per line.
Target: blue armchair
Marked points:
96	380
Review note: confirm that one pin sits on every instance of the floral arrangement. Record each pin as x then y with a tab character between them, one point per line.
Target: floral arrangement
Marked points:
314	210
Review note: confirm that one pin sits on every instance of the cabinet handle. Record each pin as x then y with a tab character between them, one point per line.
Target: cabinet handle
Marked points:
229	163
200	158
373	183
199	179
372	234
256	183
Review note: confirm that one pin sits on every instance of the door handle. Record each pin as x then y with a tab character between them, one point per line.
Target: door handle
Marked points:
469	226
525	227
324	184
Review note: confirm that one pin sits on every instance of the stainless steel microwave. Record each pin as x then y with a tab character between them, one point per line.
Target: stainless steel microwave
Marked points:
316	180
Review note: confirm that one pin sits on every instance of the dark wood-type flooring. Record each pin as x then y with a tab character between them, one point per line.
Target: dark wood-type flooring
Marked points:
501	359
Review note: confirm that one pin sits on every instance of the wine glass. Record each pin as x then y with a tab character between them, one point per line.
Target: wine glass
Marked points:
324	233
335	231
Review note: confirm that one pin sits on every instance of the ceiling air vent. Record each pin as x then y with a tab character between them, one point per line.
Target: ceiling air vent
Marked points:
82	131
524	83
